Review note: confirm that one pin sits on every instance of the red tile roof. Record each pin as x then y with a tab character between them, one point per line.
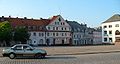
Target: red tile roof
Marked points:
53	18
29	22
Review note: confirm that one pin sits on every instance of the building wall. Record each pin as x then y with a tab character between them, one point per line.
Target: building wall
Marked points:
113	29
59	32
97	37
37	38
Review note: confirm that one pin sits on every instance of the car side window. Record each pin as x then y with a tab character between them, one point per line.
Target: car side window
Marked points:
26	48
18	48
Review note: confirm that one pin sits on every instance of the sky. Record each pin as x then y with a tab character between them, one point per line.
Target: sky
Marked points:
90	12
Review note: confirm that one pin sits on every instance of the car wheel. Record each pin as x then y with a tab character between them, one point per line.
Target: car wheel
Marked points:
11	55
38	55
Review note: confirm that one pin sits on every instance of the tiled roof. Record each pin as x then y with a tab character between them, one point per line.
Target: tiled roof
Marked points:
29	22
53	18
114	18
76	27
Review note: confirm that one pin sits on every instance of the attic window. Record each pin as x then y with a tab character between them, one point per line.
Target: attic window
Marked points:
59	19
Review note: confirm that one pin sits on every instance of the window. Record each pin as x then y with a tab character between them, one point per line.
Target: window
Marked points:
62	34
65	34
34	41
63	23
65	28
117	32
55	23
110	32
56	34
62	28
70	34
105	26
117	25
40	28
18	48
59	19
34	34
74	36
47	34
31	28
53	28
105	39
110	39
42	34
110	26
48	28
53	34
105	33
56	28
39	34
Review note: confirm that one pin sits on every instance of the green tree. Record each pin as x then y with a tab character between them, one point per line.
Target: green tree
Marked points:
5	33
21	35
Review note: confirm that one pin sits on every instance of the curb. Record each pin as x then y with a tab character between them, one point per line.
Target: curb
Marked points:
85	53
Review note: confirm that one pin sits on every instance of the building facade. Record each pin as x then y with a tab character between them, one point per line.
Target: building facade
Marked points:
58	32
80	33
51	31
97	35
111	30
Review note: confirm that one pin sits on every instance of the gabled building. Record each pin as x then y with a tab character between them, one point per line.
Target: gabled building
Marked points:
52	31
58	32
81	35
111	30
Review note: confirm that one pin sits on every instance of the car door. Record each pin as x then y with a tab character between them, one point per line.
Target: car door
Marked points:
18	50
28	51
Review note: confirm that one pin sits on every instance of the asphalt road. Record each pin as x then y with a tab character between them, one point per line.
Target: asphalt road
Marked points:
102	58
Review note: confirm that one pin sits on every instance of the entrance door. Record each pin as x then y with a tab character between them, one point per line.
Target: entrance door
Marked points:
62	42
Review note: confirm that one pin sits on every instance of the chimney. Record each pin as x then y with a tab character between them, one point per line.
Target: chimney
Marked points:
25	17
41	18
9	16
16	17
2	16
2	19
66	20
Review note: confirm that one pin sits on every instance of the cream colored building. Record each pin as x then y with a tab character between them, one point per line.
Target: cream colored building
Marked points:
111	30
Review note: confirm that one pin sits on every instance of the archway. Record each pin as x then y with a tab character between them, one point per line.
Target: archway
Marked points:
41	41
117	38
117	32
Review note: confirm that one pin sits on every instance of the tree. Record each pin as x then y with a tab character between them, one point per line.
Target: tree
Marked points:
21	35
5	32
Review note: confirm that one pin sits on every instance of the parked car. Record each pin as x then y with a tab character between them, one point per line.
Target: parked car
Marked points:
23	50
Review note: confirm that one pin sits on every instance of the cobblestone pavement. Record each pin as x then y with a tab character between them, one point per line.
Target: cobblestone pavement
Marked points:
106	58
61	50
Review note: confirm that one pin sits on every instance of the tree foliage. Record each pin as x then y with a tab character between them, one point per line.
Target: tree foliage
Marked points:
21	35
5	32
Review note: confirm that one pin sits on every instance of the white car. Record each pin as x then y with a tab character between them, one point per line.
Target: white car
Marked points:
23	50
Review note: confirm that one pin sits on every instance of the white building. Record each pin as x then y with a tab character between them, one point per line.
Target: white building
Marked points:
111	30
51	31
58	31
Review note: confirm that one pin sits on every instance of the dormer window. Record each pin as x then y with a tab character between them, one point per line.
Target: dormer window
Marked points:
59	19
